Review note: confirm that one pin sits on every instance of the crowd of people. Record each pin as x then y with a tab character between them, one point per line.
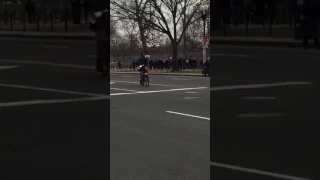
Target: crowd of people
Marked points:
165	64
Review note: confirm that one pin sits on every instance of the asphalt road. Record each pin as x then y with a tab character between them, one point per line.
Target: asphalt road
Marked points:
269	130
159	144
56	113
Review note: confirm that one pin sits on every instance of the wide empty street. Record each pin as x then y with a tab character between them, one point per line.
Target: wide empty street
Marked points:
51	95
264	113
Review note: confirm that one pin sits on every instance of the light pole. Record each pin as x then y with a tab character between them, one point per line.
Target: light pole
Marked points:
204	8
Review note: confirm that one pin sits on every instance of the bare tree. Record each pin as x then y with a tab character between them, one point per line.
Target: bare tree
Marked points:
113	27
166	18
132	10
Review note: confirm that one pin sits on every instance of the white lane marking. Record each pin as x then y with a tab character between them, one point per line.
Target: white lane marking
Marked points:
191	92
253	86
123	89
51	90
53	101
191	97
260	115
230	55
47	63
180	79
133	82
259	98
54	46
189	77
7	67
188	115
112	82
159	91
75	66
256	171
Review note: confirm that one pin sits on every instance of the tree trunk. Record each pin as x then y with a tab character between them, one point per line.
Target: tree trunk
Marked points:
185	48
175	67
143	38
185	34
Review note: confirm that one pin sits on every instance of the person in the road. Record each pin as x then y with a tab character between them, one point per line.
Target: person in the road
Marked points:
99	21
142	61
30	9
310	22
206	66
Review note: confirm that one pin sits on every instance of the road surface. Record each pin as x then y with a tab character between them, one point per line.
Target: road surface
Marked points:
56	110
264	111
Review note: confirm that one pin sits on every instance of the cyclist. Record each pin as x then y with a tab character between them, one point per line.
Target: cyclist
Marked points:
99	21
142	64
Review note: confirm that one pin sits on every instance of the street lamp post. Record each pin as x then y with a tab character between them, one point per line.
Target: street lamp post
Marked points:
204	9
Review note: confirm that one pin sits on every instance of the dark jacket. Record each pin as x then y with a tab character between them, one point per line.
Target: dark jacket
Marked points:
310	9
96	6
142	61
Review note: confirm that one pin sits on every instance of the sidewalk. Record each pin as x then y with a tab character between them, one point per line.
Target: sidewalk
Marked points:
255	41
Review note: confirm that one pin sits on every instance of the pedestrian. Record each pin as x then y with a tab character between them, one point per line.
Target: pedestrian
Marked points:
310	22
30	9
99	21
85	7
134	64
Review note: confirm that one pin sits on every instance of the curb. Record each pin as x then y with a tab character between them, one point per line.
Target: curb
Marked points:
162	74
51	35
293	44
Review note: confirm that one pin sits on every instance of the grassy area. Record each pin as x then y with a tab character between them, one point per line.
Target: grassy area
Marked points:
285	32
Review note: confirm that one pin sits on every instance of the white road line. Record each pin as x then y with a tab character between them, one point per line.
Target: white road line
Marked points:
7	67
55	46
188	115
47	63
133	82
253	86
189	77
256	171
123	89
180	79
191	98
76	66
53	101
51	90
230	55
158	91
260	115
259	98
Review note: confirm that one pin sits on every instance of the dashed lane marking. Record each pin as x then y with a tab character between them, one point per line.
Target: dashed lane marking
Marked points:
254	86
